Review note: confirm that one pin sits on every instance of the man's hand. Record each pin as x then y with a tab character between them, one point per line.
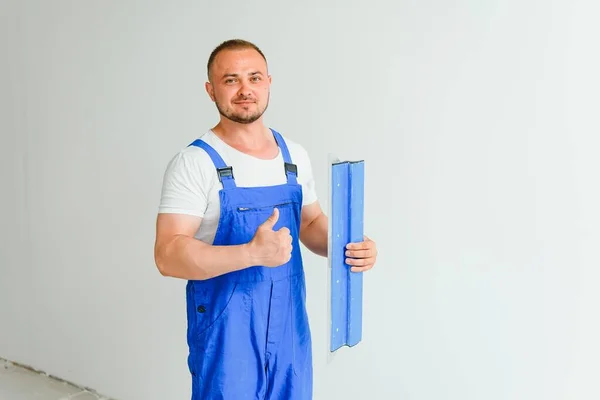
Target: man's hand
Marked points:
271	248
361	255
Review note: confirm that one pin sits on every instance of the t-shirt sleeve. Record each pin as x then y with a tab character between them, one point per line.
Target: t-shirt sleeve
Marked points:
184	189
307	180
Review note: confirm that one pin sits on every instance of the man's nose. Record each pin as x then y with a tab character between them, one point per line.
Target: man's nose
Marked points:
244	89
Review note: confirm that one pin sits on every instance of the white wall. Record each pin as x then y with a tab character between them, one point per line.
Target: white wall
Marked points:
478	123
14	253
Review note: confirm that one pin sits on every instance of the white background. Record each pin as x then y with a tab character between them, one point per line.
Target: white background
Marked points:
478	124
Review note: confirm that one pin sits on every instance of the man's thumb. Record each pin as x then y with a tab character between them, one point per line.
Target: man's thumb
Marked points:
272	220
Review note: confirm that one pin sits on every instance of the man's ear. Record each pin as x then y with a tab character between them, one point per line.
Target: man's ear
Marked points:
209	89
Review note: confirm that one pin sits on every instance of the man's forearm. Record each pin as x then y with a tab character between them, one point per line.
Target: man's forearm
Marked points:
188	258
314	235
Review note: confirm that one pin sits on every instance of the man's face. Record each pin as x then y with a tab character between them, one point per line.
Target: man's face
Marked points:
239	85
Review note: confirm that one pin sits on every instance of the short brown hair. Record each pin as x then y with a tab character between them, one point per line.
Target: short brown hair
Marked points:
232	44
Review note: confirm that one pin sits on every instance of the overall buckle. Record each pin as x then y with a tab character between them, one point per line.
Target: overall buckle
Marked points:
225	172
289	167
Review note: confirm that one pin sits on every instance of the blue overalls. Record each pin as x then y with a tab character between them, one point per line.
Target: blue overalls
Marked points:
248	332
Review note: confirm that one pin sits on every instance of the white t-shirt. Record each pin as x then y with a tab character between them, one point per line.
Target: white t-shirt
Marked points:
191	185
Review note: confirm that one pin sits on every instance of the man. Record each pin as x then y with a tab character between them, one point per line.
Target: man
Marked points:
235	205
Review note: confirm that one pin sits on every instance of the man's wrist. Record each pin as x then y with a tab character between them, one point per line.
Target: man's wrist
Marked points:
248	255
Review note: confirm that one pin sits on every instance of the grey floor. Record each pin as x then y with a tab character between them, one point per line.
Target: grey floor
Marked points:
18	383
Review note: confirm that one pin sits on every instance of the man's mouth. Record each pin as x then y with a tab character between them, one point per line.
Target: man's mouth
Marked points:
244	101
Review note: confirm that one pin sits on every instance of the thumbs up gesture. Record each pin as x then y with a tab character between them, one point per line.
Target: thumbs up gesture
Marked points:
271	248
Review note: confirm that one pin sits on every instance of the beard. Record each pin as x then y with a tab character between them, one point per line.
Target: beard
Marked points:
242	117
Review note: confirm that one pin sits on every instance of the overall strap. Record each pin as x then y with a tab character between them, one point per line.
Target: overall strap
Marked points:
291	170
224	172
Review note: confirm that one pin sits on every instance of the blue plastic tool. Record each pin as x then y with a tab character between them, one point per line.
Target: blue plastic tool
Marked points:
347	221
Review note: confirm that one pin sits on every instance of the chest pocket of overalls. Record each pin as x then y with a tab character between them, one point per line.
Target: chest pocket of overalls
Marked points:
249	218
211	300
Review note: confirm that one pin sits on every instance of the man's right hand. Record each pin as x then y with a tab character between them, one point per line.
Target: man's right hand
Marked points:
268	247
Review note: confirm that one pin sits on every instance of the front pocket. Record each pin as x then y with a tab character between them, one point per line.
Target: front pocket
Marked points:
211	300
264	208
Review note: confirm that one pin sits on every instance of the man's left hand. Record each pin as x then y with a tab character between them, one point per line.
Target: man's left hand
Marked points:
361	255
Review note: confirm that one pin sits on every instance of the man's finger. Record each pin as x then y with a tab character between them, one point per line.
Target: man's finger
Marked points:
272	220
357	246
360	253
361	269
359	262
